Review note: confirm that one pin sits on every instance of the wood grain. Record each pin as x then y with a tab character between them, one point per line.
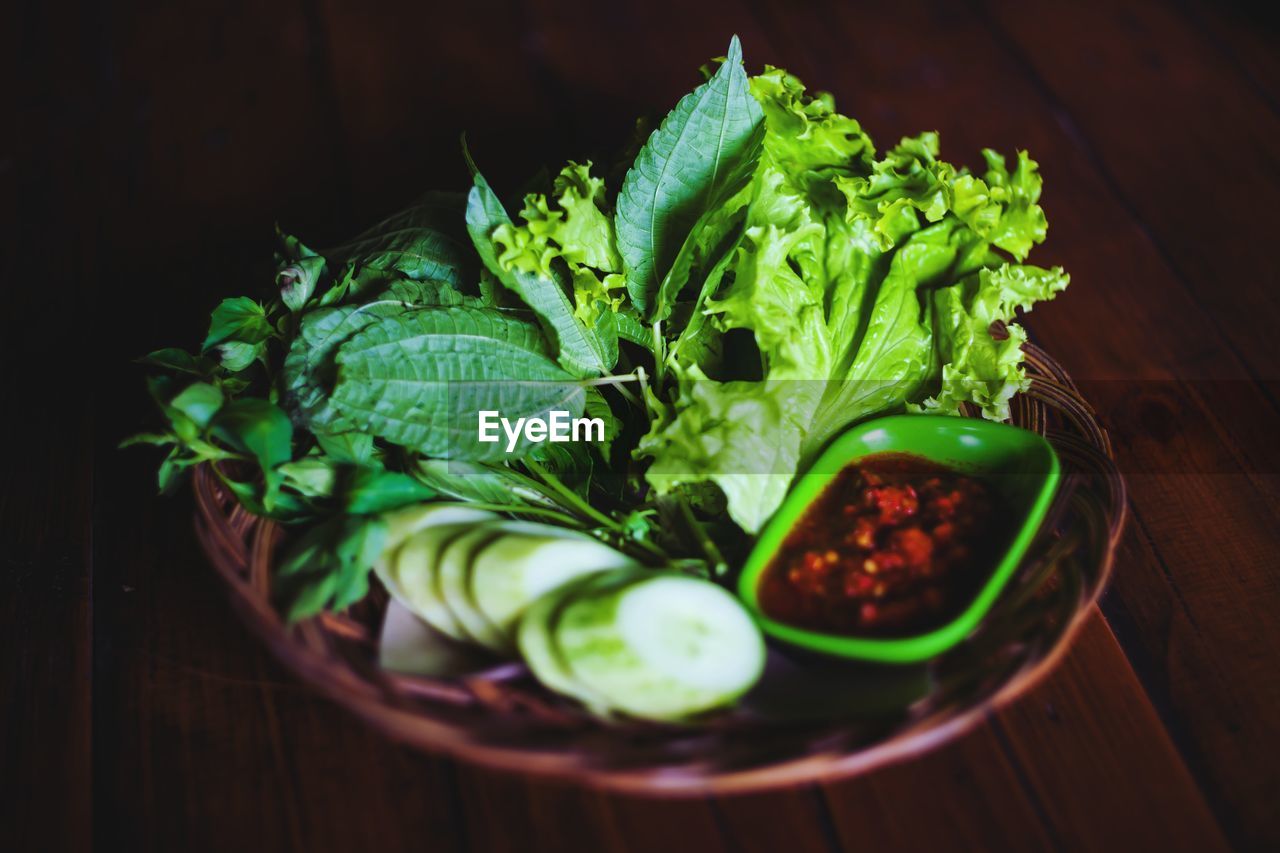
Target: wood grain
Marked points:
1129	76
1089	722
46	424
976	800
1245	36
46	633
210	745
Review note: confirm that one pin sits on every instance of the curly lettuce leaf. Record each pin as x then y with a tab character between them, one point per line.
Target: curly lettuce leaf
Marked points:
572	239
521	260
978	365
739	435
869	285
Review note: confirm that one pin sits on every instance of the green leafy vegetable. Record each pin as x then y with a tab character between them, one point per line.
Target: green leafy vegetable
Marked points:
689	166
579	349
238	333
261	429
856	304
762	279
421	378
329	566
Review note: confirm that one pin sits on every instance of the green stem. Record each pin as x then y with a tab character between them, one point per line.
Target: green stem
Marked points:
616	380
618	383
535	486
659	353
627	395
700	534
570	497
543	512
651	548
647	394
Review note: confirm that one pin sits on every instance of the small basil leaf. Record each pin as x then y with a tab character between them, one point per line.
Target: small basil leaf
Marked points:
298	281
260	428
371	490
172	469
199	401
351	447
329	565
238	355
238	319
313	476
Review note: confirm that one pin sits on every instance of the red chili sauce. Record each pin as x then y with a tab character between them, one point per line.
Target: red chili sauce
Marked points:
895	545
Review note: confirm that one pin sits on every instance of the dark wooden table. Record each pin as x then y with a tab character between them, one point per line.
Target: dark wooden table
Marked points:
151	145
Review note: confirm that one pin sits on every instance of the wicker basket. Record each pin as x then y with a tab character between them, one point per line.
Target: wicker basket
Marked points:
502	718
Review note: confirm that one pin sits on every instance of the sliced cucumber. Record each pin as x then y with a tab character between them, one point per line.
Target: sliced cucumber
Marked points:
412	588
403	523
452	570
538	648
413	569
661	646
527	561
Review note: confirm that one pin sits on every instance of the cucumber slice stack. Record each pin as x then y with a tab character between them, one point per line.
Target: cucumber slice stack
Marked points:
417	573
540	652
590	622
656	645
406	568
471	575
524	562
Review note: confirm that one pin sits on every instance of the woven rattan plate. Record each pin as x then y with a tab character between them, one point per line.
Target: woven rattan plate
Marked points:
500	717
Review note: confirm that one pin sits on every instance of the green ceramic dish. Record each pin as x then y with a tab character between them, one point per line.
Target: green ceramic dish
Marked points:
1019	464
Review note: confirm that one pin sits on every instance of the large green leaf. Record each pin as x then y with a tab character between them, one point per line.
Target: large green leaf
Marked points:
711	237
309	372
425	292
687	164
438	210
425	241
580	349
420	379
485	214
416	253
631	329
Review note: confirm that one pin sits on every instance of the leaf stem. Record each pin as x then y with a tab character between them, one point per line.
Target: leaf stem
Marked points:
627	395
647	394
659	352
650	547
525	509
700	534
633	376
570	497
